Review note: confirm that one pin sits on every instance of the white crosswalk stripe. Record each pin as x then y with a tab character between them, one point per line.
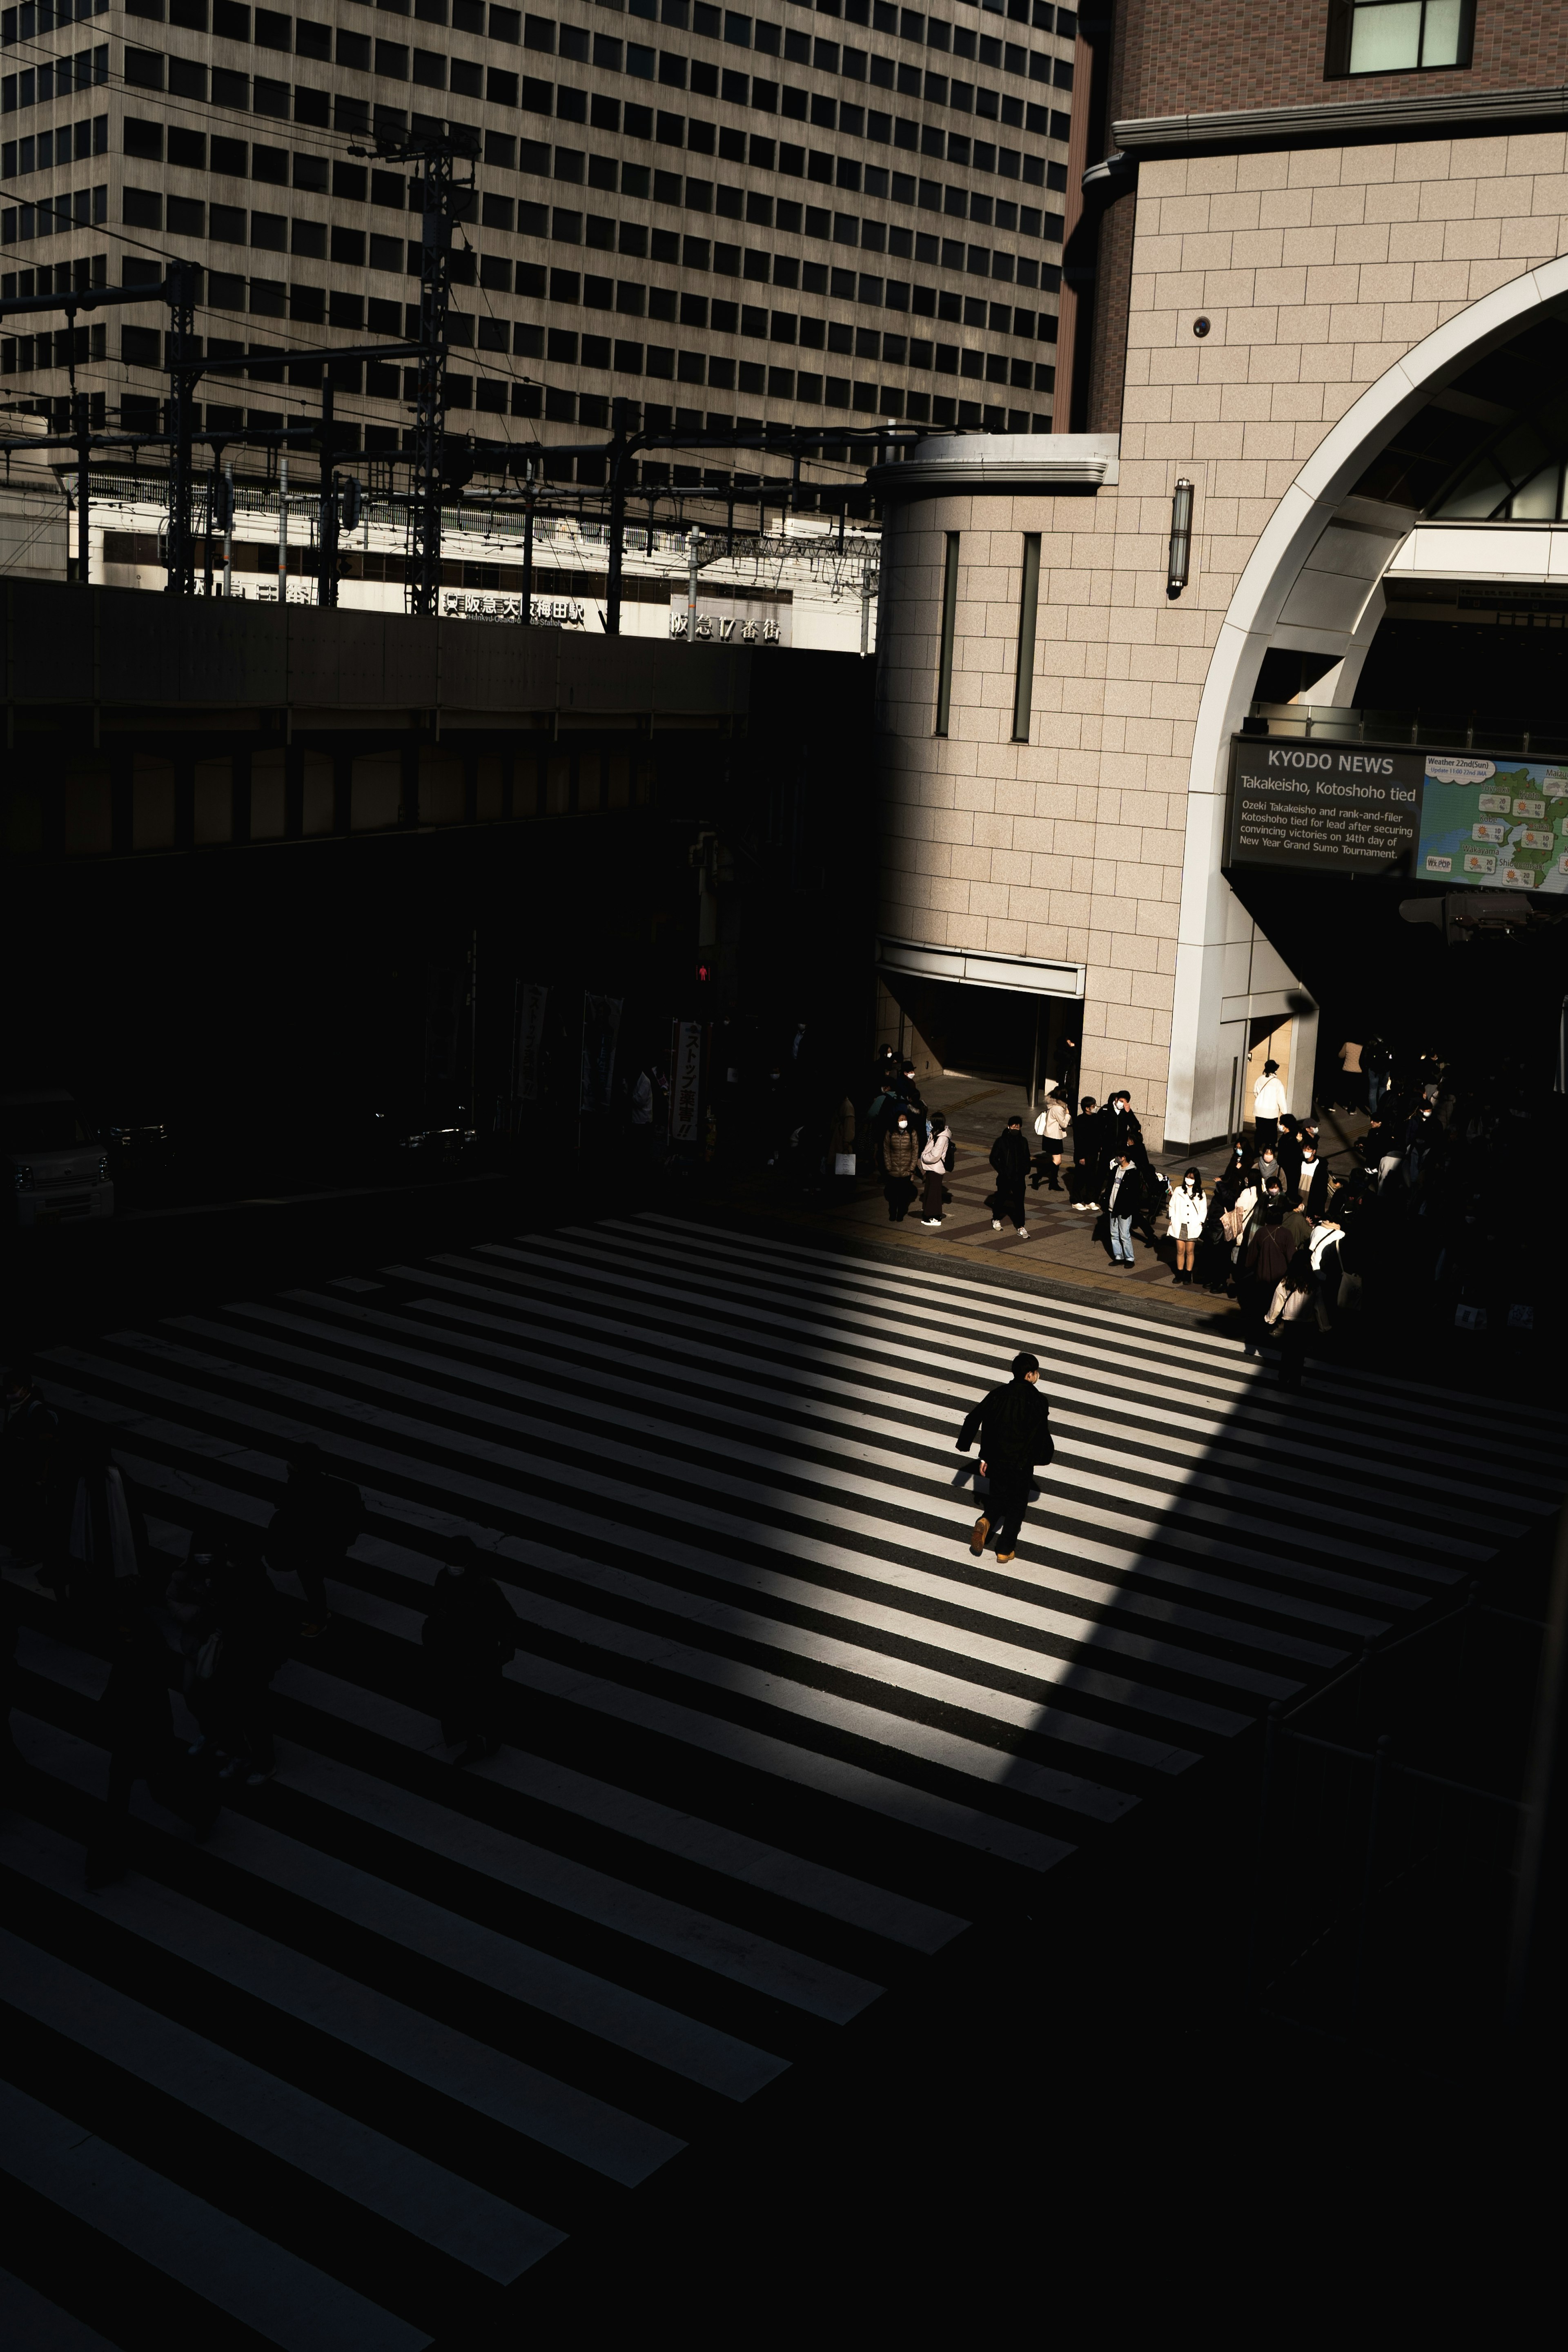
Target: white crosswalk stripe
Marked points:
774	1735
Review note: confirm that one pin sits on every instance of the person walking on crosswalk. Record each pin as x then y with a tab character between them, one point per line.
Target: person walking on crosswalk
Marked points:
1014	1426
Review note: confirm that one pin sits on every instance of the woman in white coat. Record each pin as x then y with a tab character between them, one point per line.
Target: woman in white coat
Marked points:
936	1166
1052	1127
1188	1210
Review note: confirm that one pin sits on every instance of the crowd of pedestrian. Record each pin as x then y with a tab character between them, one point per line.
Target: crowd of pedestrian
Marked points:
210	1626
1400	1214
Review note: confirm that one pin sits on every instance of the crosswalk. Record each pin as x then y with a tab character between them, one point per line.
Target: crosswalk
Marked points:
346	2071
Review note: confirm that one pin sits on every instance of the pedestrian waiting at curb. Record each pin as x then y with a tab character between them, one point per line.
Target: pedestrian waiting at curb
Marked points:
1014	1426
936	1167
1124	1203
1051	1127
1010	1158
899	1159
1188	1215
1088	1154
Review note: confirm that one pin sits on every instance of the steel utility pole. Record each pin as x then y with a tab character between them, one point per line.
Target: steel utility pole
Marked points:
327	530
83	483
619	456
182	298
526	615
447	200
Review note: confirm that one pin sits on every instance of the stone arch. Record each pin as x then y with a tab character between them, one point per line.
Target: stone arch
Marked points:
1302	585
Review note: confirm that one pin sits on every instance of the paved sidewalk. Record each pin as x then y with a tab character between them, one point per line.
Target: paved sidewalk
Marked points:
1061	1242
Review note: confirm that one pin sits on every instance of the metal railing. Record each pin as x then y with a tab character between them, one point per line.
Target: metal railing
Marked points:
1322	722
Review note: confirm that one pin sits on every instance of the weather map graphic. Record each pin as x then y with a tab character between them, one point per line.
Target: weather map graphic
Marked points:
1497	827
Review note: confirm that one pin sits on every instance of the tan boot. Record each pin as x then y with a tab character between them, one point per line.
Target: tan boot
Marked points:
1003	1558
977	1540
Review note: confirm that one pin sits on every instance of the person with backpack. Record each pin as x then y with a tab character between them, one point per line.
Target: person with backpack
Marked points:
1014	1426
1010	1158
936	1167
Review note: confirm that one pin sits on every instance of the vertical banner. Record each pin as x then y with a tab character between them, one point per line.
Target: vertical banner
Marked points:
601	1027
686	1083
528	1039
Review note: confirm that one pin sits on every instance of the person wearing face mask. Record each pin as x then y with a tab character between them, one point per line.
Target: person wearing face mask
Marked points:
1312	1180
899	1158
1188	1215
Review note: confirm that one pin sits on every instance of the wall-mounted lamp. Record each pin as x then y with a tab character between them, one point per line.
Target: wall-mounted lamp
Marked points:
1181	539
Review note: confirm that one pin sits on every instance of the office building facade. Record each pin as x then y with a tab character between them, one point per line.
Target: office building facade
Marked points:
809	217
1323	310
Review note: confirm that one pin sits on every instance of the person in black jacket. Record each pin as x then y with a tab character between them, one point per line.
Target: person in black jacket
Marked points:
1088	1154
1010	1158
470	1634
1312	1181
1014	1426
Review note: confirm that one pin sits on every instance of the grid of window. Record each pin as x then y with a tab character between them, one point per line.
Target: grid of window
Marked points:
67	142
916	89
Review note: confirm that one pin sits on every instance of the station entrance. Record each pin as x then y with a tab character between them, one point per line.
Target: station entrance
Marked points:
1009	1019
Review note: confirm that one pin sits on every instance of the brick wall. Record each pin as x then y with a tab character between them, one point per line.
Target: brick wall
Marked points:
1178	56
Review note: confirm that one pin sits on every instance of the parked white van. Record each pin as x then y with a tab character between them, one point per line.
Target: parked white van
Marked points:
58	1167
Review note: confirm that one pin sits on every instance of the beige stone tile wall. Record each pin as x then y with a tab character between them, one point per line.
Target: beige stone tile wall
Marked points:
1318	271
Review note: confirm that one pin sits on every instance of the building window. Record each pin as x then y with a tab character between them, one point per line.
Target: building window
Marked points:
1370	37
1024	682
949	624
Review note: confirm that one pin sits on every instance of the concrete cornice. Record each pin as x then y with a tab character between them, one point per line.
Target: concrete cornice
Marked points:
1004	463
1428	110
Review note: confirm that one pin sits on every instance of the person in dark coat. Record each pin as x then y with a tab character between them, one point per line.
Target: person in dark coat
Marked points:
1088	1154
311	1529
1010	1158
1312	1181
1269	1252
1014	1426
1126	1130
899	1156
140	1719
470	1634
